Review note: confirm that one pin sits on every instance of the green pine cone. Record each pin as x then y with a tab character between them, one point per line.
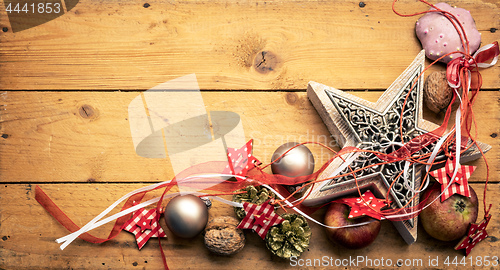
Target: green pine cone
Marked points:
290	238
256	195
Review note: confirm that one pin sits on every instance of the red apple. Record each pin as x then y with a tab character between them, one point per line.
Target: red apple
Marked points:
449	220
350	237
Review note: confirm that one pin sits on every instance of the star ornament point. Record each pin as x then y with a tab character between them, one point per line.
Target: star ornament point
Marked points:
366	205
477	233
381	126
458	185
241	160
144	225
259	218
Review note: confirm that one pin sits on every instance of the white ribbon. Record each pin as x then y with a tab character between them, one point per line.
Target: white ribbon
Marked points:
92	226
458	138
310	218
344	165
485	65
71	237
480	65
434	153
96	222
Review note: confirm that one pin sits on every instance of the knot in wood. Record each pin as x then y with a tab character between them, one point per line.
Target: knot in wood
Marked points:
86	111
265	62
291	98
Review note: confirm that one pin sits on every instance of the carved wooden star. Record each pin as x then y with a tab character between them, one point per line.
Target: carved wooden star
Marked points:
355	122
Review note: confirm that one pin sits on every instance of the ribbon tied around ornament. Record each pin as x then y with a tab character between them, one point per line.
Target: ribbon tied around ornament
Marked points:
484	54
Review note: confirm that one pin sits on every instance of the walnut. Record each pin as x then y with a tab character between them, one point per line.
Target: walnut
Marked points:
437	92
222	237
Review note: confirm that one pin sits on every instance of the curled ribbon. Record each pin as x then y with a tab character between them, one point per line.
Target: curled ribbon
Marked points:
484	54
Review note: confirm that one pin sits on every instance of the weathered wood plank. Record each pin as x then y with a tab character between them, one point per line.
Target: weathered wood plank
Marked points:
124	45
48	137
28	232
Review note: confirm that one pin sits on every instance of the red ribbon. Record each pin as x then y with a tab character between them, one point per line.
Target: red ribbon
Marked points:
487	55
456	66
60	216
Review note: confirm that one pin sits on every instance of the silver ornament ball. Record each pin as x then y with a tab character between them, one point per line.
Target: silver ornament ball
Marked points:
186	215
298	162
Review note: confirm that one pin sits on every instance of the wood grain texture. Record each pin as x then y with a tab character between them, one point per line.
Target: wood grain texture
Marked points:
48	137
78	146
229	44
28	232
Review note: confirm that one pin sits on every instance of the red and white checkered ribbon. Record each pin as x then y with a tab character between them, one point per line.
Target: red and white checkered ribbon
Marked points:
259	218
457	185
144	226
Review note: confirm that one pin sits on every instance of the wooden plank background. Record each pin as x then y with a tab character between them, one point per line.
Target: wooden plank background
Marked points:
48	130
123	45
27	240
65	87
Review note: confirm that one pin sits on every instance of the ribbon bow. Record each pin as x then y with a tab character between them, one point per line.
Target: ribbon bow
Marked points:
479	59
